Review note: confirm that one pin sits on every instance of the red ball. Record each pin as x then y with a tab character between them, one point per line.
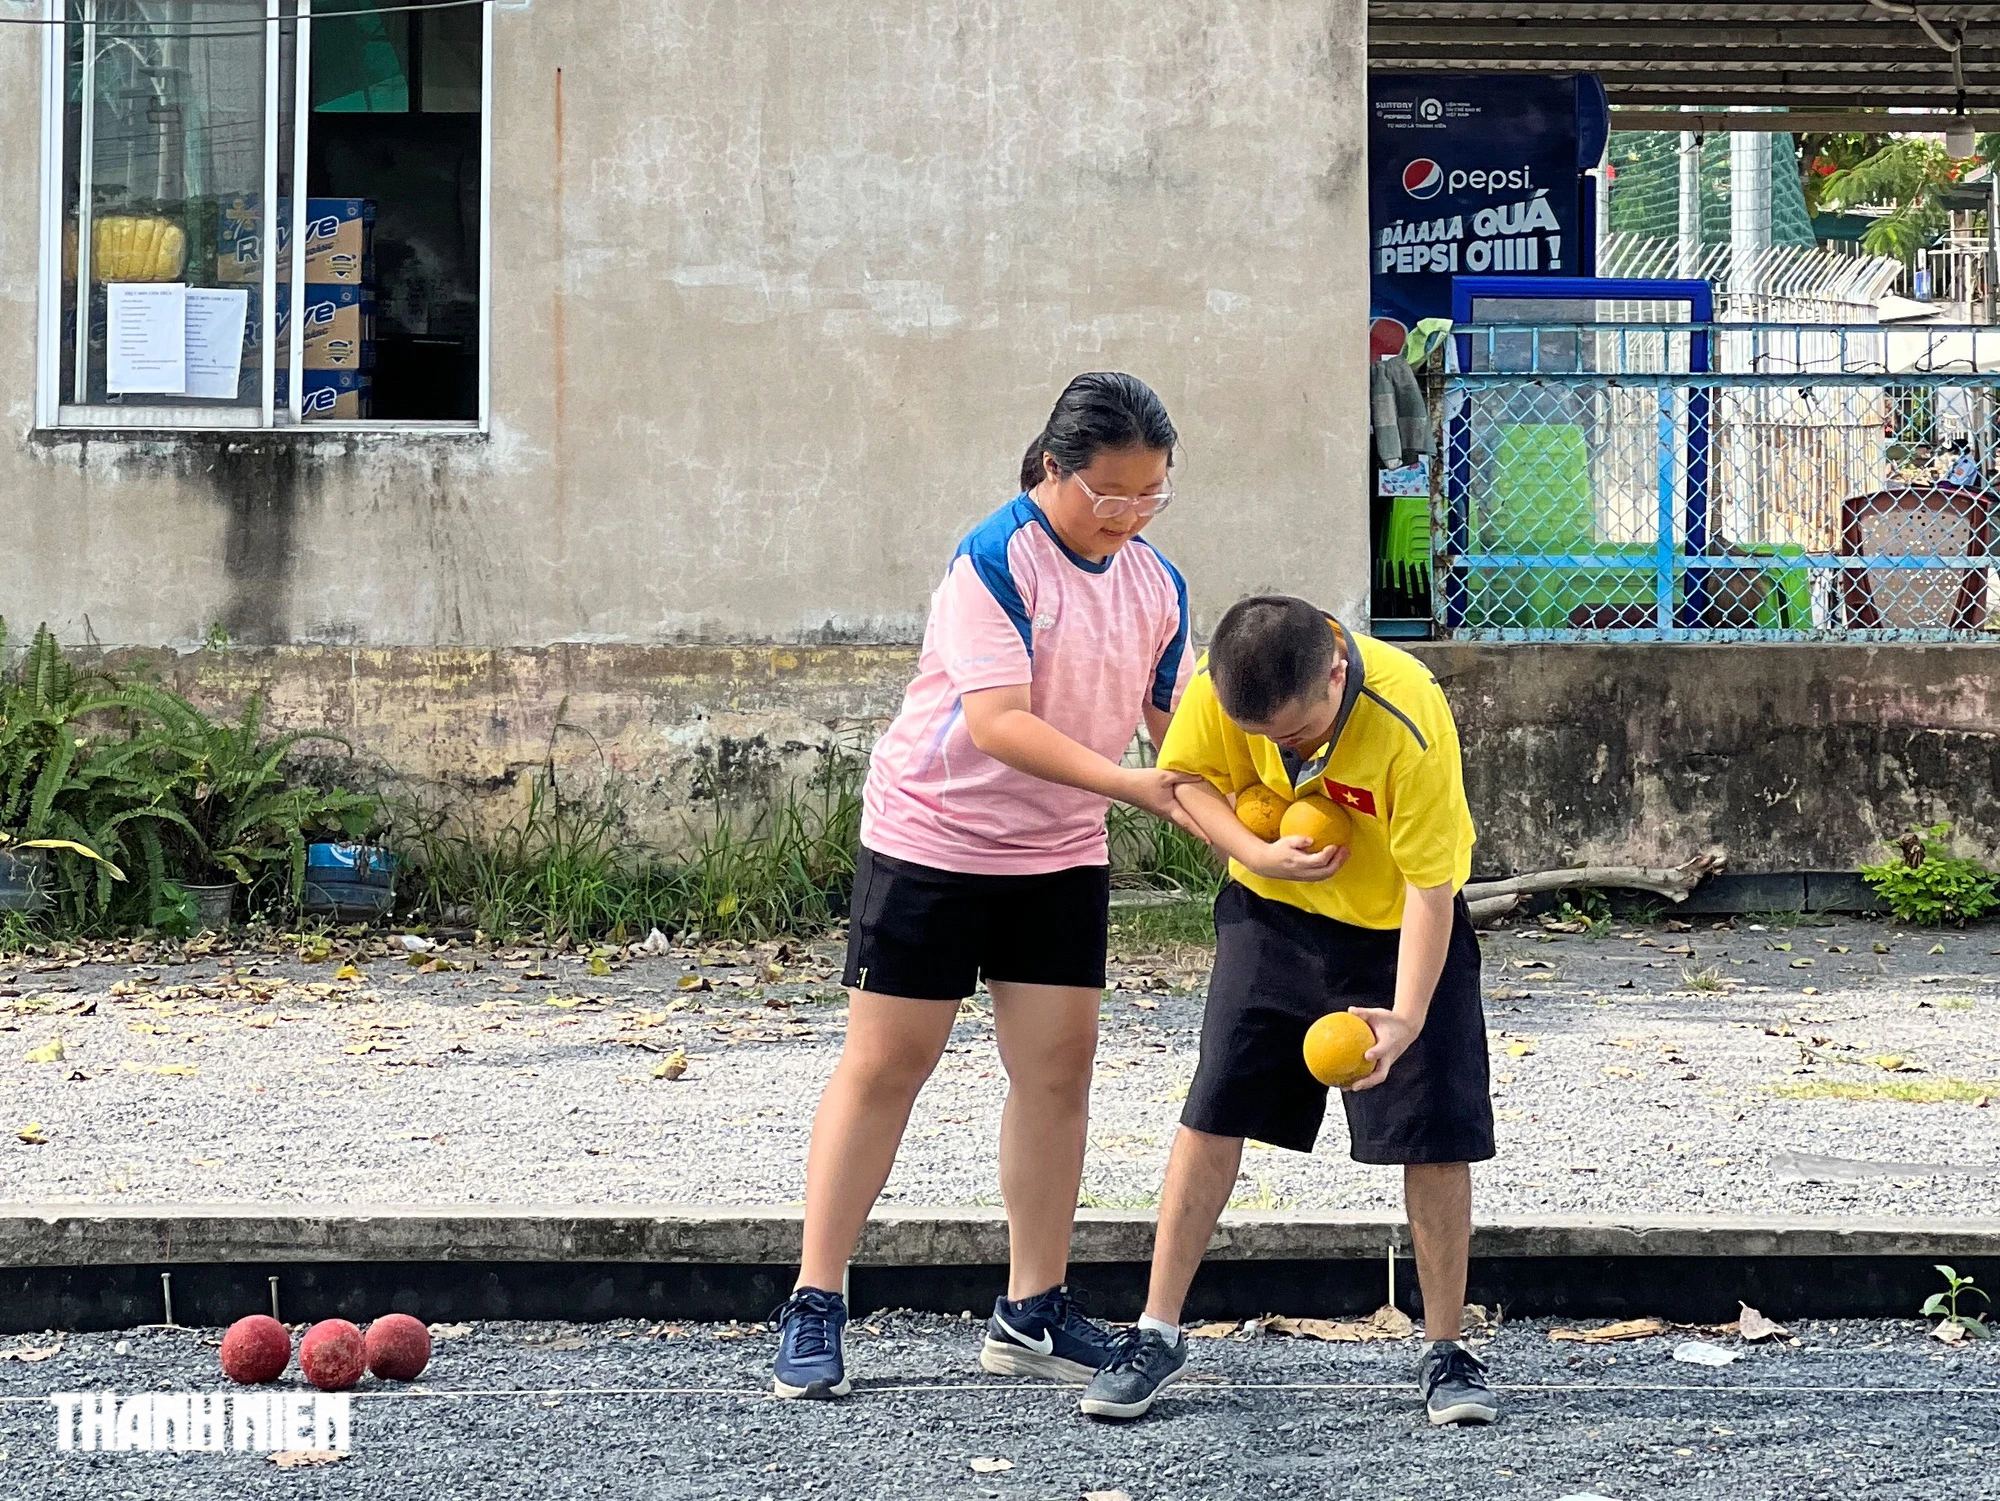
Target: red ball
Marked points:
332	1355
399	1347
256	1349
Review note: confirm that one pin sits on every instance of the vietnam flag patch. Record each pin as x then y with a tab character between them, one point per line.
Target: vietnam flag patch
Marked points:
1354	799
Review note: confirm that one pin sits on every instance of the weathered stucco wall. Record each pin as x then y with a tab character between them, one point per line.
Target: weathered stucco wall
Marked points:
781	292
1788	758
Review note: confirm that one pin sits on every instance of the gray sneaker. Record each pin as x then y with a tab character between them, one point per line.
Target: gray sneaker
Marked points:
1139	1372
1453	1381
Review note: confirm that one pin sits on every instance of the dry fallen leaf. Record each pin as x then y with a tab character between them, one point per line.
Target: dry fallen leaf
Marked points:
1612	1333
984	1466
449	1331
32	1134
1105	1496
1753	1326
293	1459
1213	1331
1949	1332
29	1354
347	972
1519	1049
1384	1323
672	1066
49	1052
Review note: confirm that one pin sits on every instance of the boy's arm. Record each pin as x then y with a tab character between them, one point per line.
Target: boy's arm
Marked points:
1286	860
1003	724
1420	956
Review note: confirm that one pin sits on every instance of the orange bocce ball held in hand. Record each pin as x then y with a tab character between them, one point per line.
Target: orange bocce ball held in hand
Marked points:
1320	819
1337	1049
1261	811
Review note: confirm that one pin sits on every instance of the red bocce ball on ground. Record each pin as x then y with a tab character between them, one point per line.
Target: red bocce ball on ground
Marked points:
399	1347
256	1349
332	1355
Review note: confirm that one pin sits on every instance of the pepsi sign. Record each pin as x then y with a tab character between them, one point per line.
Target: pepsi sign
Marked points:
1475	174
1423	178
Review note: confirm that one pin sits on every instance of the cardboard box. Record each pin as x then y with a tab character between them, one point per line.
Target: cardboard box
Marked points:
239	239
331	395
340	241
253	328
339	327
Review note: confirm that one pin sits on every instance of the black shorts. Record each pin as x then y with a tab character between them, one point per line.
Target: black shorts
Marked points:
933	935
1278	969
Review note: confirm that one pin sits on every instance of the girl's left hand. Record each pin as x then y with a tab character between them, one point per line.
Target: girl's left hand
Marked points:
1152	789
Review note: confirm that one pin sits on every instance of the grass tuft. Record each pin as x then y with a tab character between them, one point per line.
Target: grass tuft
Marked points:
1905	1091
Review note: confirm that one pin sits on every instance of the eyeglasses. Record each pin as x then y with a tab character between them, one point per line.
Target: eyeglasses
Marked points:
1104	507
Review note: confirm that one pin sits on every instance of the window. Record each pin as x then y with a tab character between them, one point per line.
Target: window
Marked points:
172	127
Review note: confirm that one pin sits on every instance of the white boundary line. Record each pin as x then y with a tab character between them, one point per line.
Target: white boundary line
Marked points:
1183	1388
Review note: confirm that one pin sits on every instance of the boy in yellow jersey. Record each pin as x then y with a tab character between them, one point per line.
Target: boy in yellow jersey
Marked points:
1289	700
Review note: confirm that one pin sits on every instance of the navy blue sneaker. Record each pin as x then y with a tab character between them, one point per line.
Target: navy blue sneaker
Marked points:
812	1356
1146	1364
1046	1336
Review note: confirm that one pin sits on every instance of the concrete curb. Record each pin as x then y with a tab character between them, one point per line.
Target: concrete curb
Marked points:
50	1236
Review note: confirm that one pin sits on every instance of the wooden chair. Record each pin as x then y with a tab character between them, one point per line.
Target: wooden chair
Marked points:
1930	520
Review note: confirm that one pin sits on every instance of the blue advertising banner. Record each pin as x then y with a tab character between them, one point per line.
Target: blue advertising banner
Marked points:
1475	174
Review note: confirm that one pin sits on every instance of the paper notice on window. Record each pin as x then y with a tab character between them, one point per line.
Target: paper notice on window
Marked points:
215	341
145	342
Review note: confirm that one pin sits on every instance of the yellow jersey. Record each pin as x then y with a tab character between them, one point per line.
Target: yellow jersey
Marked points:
1393	763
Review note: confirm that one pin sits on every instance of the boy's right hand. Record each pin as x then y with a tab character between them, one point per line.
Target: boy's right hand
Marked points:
1292	859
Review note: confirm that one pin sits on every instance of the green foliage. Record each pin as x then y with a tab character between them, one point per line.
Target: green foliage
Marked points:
246	819
569	870
1944	1305
1824	154
133	776
1928	885
1905	175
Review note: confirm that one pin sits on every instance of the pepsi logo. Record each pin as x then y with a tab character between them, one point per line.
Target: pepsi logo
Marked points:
1423	178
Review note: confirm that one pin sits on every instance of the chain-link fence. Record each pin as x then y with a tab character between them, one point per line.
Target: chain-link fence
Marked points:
1717	482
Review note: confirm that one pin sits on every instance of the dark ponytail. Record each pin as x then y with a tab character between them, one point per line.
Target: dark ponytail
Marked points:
1099	411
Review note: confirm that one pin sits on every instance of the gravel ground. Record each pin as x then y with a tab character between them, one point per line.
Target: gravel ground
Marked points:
1641	1069
624	1410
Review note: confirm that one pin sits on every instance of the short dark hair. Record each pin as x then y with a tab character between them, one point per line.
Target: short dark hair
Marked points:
1105	409
1269	651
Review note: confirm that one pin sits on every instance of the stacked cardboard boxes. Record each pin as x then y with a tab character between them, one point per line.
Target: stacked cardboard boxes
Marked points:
338	319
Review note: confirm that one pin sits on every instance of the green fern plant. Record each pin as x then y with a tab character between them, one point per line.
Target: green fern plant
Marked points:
244	817
91	810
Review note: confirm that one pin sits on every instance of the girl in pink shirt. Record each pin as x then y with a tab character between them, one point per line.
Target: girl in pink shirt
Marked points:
1056	631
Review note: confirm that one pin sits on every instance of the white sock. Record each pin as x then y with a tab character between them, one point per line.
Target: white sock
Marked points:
1171	1333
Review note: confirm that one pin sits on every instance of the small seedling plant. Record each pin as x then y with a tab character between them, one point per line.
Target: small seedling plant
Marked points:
1944	1306
1925	883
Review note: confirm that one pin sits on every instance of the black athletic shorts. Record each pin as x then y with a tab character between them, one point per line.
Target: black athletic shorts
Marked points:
1278	969
930	934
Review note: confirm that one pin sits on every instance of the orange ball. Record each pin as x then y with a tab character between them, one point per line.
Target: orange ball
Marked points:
1261	811
1336	1049
1320	819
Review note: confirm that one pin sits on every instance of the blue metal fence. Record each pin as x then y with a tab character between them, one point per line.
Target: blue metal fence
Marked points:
1681	481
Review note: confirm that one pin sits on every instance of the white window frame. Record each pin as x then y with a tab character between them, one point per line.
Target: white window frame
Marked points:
52	412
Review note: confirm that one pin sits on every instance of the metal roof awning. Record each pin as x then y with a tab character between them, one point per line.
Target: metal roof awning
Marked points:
1830	60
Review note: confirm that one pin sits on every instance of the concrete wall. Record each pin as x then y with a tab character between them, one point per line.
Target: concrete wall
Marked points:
1786	757
1789	757
781	292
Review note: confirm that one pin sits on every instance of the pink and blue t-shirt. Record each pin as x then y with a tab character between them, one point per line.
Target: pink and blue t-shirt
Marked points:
1096	642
